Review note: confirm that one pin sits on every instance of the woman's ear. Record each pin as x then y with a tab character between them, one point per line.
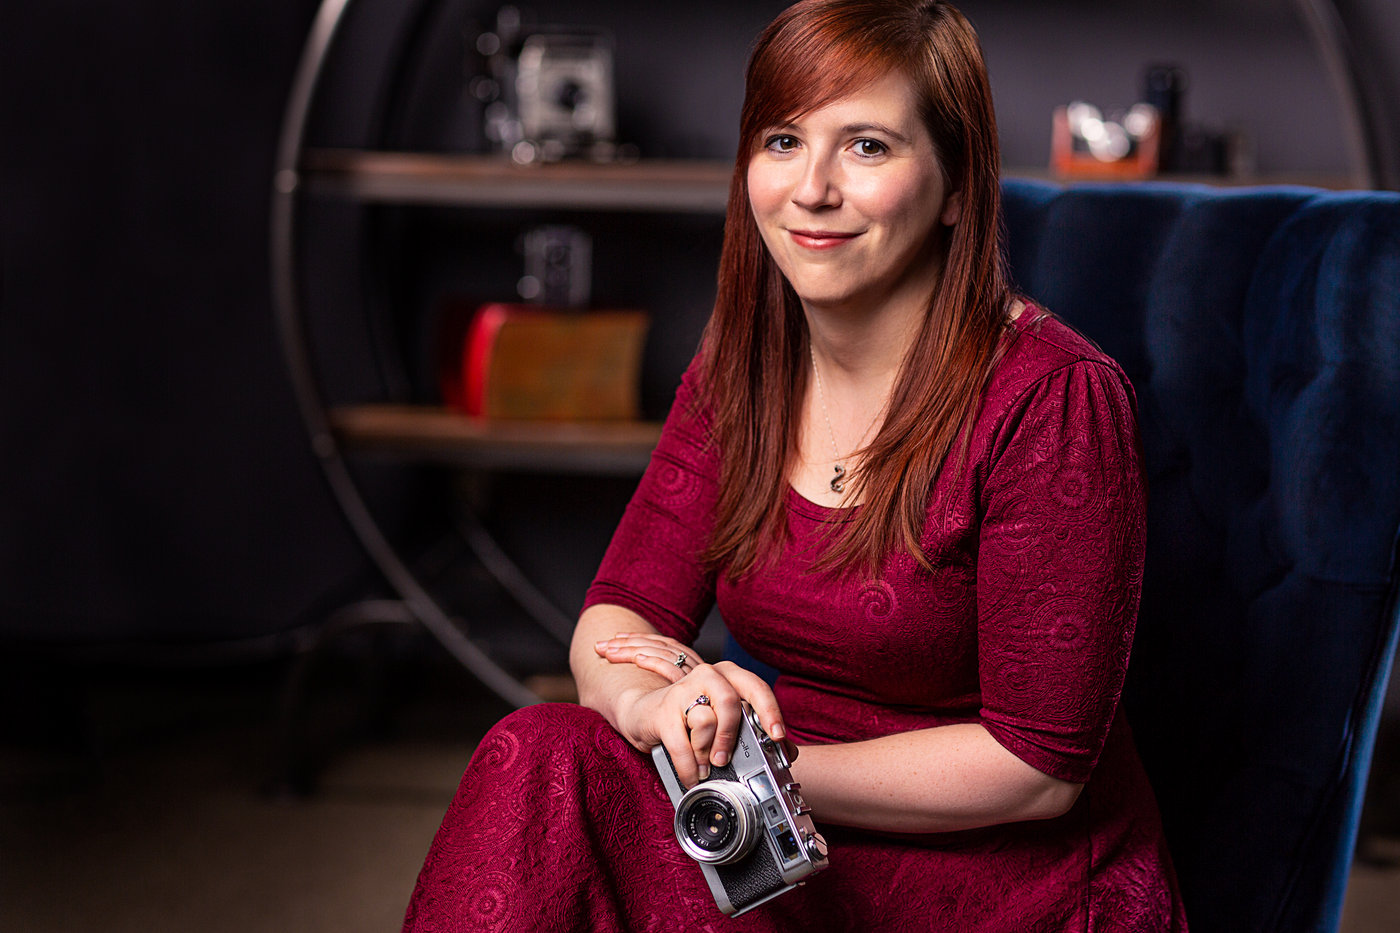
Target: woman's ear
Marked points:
952	209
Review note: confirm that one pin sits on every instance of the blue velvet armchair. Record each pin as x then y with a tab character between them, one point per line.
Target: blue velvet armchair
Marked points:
1261	328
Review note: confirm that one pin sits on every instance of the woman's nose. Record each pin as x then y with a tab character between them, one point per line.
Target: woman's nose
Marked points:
818	187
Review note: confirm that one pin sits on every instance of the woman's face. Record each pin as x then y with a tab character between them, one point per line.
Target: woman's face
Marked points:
849	198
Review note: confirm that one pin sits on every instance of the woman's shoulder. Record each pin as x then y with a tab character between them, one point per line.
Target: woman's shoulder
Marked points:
691	399
1049	370
1039	346
690	420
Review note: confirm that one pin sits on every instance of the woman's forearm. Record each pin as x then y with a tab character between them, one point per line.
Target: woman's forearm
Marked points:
604	686
930	780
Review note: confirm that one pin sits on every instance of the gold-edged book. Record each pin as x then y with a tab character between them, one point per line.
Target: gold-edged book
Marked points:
528	362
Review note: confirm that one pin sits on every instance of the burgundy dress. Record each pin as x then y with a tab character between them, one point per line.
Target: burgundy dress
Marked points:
1024	625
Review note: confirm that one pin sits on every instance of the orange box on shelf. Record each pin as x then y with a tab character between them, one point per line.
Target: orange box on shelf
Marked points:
527	362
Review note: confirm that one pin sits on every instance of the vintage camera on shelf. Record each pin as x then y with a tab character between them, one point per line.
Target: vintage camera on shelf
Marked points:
558	266
1190	148
747	824
1086	144
548	92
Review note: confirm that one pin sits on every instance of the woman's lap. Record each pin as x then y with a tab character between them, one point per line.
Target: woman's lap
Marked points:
559	824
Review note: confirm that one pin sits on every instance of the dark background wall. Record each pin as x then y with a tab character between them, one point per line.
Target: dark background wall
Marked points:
155	483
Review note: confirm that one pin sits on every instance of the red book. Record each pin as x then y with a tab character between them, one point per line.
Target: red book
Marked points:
529	362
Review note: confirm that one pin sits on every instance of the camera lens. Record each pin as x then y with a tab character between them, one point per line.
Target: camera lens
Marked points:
711	824
716	822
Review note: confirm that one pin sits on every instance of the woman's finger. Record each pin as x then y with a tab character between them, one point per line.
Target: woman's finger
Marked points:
652	653
676	737
629	643
665	665
760	696
723	705
701	721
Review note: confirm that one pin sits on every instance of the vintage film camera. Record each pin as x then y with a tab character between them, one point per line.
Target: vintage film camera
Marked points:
1086	144
549	93
747	824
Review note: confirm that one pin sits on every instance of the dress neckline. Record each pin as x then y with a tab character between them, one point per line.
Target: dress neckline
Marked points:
826	513
1030	317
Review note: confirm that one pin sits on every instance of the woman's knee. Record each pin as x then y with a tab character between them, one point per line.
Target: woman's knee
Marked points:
560	737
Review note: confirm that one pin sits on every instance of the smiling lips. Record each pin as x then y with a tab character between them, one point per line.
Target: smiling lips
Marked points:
820	239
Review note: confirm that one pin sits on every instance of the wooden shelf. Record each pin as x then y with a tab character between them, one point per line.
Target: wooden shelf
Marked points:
663	186
439	435
1328	180
658	185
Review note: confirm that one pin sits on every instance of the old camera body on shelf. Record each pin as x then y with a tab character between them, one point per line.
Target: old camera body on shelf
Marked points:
746	825
565	88
549	92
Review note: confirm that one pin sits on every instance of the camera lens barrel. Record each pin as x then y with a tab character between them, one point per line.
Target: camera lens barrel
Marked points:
717	822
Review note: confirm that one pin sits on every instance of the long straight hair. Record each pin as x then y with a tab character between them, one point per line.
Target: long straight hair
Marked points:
754	375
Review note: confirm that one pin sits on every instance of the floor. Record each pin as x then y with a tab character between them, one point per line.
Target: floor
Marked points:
170	812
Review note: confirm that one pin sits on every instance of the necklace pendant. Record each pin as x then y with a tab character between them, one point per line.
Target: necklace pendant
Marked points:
838	481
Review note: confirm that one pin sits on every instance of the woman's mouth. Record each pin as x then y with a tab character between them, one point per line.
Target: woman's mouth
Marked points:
820	239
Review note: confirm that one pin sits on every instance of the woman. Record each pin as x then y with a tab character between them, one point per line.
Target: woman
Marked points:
915	494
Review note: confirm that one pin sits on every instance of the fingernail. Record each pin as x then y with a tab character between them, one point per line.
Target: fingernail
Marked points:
778	732
719	759
704	772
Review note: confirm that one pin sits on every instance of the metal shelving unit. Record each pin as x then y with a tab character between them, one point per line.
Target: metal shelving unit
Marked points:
434	435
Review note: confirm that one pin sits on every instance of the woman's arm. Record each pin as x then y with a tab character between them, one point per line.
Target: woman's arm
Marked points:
609	688
931	780
650	700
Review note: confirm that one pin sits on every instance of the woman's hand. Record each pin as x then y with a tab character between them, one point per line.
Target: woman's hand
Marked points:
696	733
651	652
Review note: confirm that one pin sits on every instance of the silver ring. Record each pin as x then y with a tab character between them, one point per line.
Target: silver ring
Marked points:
701	700
680	660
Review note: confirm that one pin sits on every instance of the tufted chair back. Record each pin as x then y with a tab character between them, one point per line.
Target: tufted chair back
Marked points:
1261	328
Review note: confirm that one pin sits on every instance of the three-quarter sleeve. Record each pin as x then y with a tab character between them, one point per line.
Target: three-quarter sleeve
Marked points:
1060	567
652	565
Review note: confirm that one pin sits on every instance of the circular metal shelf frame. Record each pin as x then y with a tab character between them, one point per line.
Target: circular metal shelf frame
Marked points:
292	331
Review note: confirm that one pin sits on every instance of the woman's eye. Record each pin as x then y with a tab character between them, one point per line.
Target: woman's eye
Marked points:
870	147
782	143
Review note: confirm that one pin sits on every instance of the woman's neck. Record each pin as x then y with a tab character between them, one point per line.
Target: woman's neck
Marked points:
860	354
855	362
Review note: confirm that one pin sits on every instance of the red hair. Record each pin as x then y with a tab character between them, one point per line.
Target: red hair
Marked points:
755	346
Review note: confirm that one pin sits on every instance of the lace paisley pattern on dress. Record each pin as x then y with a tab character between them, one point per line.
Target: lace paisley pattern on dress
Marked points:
1023	624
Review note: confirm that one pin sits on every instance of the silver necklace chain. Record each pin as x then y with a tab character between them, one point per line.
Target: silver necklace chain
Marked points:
838	482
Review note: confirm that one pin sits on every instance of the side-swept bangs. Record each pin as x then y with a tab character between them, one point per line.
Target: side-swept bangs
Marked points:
804	62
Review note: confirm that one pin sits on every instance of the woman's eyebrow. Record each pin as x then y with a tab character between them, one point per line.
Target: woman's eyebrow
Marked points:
850	129
854	128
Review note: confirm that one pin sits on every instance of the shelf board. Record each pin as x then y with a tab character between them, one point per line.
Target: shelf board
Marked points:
662	186
656	185
443	436
1328	180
